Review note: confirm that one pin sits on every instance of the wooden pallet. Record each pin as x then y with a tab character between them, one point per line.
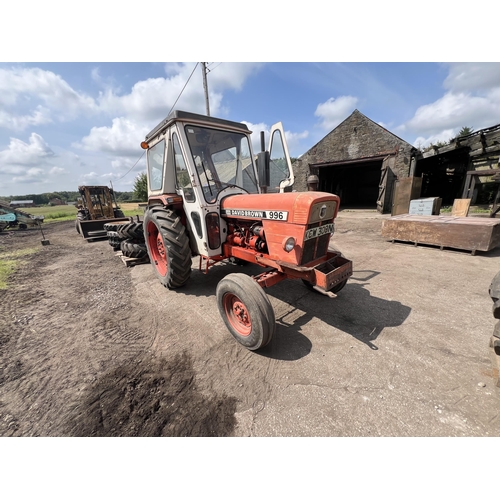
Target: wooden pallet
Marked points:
463	233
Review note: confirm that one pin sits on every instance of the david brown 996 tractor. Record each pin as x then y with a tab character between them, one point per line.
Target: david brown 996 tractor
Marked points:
209	197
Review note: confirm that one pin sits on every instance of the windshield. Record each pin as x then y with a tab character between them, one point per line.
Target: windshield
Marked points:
221	159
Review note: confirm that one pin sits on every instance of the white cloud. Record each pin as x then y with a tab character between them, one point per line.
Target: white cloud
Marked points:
90	176
36	165
231	75
292	138
124	164
13	121
21	153
150	100
96	76
32	96
443	136
57	171
123	138
463	77
256	129
454	111
31	176
472	100
334	111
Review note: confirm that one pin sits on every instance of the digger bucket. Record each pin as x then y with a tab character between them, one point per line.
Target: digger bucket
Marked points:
94	229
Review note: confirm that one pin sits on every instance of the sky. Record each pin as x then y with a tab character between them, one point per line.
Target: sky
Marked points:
67	124
74	121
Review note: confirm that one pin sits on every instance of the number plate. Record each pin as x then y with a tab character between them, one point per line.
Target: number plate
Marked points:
276	215
316	232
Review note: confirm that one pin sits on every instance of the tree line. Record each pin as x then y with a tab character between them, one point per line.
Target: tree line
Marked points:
66	196
461	133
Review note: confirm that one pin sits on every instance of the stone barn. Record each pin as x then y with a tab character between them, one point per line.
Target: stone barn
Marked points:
359	160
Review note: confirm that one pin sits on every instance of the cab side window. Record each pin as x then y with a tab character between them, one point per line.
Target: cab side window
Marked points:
155	165
181	172
278	165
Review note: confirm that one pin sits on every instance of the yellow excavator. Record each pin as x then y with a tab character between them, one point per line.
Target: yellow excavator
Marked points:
96	207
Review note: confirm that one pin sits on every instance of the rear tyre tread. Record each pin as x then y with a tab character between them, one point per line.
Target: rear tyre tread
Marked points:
176	242
133	248
133	230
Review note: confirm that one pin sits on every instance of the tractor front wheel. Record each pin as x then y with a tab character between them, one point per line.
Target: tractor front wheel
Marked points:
246	310
167	244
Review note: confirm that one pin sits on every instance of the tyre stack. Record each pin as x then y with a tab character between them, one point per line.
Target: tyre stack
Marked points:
114	238
129	238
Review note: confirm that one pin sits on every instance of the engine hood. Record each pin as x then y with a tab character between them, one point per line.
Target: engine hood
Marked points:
294	208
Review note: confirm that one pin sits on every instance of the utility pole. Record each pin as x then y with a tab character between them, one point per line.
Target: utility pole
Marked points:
205	85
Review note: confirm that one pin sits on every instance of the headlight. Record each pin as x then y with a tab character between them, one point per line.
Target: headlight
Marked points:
288	244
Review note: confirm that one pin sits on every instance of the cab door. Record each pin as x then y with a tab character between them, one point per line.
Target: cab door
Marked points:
280	169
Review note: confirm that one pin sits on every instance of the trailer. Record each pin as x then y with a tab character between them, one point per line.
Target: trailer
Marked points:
13	217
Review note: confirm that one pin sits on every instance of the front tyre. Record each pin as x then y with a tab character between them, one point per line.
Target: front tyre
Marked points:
168	246
246	311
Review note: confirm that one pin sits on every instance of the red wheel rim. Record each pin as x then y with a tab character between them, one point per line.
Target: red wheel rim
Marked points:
237	314
157	248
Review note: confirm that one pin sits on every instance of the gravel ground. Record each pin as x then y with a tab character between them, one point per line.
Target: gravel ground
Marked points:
90	347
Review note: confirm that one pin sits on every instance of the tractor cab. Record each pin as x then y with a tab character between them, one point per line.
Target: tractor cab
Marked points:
203	160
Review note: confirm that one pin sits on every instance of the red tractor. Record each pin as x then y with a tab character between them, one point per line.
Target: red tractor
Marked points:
208	196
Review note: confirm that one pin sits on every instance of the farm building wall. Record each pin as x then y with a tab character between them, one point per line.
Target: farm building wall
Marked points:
357	139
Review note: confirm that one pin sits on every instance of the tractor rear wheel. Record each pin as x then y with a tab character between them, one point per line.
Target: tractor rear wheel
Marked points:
246	310
168	246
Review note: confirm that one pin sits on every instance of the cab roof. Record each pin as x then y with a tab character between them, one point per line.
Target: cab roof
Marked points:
178	115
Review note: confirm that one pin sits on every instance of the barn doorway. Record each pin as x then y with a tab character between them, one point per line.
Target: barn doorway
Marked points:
443	175
357	184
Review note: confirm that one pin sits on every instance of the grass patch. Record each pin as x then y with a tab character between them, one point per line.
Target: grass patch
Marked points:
58	213
131	209
52	212
61	213
10	261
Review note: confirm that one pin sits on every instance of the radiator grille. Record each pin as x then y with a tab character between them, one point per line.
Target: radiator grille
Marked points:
316	247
